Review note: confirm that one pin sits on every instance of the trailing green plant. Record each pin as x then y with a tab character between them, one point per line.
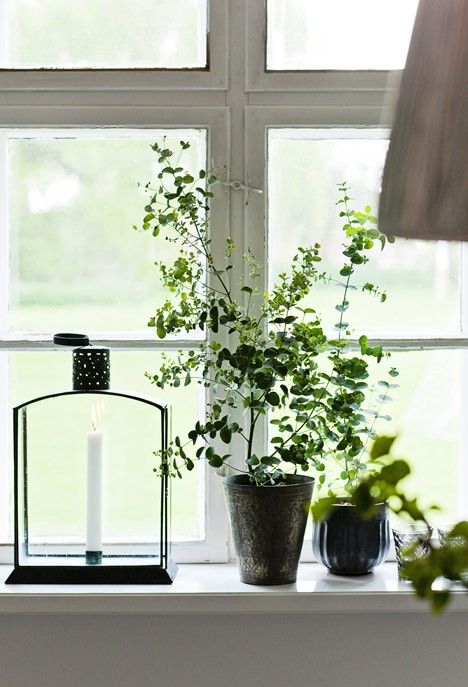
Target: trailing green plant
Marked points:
447	563
267	354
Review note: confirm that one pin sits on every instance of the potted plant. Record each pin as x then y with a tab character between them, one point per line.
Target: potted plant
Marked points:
445	562
344	541
267	358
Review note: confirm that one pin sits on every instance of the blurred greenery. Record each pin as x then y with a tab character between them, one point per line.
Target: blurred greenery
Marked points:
426	416
75	262
96	33
422	278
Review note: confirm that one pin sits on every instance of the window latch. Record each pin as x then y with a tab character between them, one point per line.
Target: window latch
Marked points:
239	186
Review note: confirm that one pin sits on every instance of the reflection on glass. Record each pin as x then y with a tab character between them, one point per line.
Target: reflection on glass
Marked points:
338	34
130	460
421	278
76	263
78	34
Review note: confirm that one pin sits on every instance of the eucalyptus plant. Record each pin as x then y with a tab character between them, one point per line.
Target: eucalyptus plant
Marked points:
267	354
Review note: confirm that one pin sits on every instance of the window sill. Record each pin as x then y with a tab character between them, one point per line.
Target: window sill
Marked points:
215	588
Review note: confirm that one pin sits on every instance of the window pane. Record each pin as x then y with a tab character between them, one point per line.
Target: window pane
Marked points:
76	262
129	441
426	414
421	278
338	34
80	34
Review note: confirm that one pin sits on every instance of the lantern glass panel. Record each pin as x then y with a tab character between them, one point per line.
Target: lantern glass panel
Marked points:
53	466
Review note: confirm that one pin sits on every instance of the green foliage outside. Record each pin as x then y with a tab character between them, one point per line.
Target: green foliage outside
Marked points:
96	33
76	265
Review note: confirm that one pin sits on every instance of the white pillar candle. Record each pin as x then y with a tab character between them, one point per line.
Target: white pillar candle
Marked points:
94	493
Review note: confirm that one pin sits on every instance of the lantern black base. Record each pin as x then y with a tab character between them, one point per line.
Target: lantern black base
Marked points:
93	557
109	574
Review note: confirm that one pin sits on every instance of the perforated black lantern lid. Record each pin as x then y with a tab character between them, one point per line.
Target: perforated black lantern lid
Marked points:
91	364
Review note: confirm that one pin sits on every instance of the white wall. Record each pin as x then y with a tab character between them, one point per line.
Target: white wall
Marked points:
414	650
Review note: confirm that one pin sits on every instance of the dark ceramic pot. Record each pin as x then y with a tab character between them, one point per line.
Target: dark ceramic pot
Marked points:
348	545
268	525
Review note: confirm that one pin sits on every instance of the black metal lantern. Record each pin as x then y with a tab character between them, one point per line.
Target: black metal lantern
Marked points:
81	518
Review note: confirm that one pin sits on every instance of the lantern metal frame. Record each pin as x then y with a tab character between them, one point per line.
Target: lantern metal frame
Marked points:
162	573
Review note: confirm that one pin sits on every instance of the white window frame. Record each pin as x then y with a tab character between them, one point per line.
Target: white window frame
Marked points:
237	100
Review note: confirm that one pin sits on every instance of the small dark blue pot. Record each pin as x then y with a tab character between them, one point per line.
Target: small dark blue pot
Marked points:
348	545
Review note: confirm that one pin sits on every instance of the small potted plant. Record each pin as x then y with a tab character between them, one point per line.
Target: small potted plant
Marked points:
267	357
445	563
344	541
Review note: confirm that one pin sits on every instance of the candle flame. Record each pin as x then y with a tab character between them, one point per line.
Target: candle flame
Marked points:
97	413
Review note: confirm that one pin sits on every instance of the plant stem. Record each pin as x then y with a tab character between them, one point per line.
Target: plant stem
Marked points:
251	434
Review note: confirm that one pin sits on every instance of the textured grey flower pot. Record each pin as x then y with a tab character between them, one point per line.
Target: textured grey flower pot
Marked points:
268	525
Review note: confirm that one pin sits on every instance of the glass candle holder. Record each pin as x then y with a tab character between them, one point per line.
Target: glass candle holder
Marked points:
88	507
454	542
411	543
445	538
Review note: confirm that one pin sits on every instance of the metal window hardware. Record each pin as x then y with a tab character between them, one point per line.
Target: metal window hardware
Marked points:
238	186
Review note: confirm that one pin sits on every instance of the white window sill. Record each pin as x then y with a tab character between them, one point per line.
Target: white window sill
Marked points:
215	588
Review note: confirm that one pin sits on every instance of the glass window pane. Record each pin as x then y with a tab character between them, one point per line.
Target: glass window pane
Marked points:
83	34
338	34
426	414
128	439
76	262
421	278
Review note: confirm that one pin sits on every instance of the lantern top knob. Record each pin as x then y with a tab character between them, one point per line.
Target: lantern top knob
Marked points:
71	339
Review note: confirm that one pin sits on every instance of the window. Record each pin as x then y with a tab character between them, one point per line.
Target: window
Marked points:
93	34
32	374
422	280
74	147
75	263
76	120
312	34
418	275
